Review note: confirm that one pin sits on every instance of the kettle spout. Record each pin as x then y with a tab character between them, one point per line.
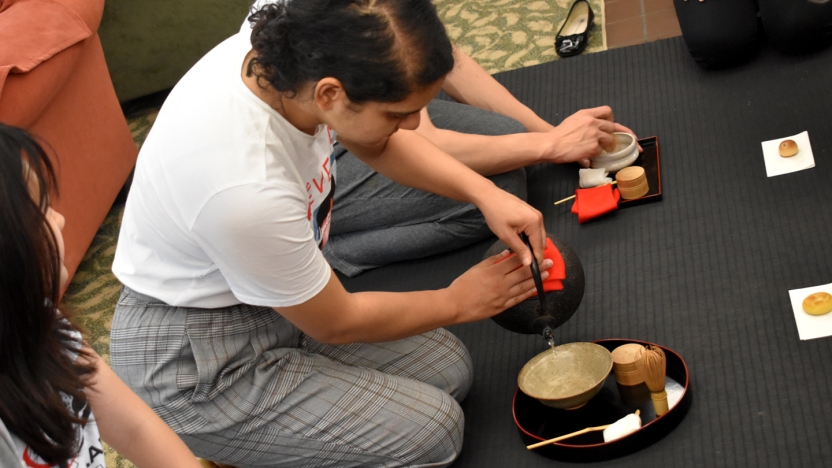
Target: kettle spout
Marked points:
549	336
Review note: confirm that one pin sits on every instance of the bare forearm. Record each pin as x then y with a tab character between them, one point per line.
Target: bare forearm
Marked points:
410	159
128	425
469	83
489	155
575	139
415	312
335	316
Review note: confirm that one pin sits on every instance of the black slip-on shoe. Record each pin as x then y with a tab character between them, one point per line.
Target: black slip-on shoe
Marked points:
574	34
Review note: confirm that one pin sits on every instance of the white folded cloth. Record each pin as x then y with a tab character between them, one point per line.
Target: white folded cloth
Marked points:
626	425
593	177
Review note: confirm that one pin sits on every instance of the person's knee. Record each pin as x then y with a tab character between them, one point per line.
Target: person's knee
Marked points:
797	27
441	437
463	376
498	124
513	182
719	34
455	374
465	118
511	126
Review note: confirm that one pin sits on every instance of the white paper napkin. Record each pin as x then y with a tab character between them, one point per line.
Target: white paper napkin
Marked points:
778	165
810	327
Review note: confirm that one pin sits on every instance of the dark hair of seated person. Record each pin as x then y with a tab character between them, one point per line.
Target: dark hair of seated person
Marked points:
37	347
380	50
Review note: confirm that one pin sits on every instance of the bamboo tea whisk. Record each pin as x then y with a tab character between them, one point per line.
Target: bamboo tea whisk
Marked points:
652	364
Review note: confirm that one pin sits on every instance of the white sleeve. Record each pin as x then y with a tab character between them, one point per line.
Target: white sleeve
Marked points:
260	238
8	451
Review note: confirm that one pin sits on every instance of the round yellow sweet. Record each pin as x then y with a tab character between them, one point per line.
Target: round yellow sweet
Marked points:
787	148
818	303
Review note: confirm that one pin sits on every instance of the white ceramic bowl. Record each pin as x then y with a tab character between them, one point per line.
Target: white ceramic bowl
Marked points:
625	154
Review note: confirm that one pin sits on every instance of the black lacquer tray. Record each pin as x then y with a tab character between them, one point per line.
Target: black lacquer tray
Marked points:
538	422
649	160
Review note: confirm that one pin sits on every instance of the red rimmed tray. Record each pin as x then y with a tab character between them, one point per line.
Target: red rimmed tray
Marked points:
538	422
648	159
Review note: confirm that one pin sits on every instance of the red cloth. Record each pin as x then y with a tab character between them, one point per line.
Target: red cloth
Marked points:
593	202
557	273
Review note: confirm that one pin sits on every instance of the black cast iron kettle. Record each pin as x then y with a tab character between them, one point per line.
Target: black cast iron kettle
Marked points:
548	310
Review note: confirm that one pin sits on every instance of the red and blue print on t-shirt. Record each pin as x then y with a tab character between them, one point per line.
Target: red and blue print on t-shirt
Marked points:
321	190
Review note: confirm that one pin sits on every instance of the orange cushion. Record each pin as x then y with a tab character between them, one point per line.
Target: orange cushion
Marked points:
32	31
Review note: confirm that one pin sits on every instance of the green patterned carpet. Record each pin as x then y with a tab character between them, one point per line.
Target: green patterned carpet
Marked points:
503	35
500	35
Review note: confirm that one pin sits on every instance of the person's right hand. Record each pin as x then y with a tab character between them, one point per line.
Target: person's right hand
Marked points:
582	136
494	285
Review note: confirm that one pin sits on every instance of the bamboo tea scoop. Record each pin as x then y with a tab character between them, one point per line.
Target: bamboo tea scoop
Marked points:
573	196
573	434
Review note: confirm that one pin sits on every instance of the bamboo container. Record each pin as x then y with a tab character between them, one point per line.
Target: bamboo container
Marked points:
624	364
634	396
632	182
653	366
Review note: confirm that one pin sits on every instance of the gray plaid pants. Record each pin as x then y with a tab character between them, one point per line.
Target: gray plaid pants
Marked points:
243	386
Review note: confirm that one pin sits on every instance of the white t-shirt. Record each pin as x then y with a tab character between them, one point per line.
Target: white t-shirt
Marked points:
229	203
91	454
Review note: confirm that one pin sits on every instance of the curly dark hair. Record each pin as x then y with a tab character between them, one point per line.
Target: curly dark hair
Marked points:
380	50
36	344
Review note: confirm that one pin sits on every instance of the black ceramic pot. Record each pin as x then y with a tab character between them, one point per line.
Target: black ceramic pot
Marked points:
526	317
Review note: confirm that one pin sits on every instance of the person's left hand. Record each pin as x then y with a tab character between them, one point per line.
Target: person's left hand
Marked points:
586	162
507	216
580	136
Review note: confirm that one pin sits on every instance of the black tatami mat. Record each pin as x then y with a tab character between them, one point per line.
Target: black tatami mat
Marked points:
706	271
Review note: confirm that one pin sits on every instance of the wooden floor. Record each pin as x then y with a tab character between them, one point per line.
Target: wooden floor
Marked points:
631	22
